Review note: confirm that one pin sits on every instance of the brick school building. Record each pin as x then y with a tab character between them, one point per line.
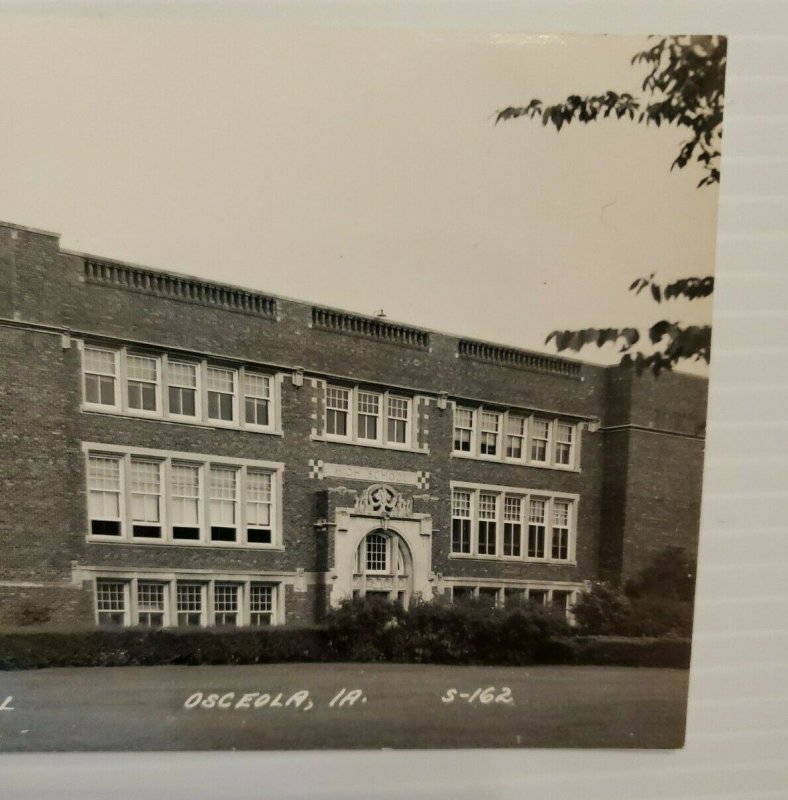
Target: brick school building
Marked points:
175	451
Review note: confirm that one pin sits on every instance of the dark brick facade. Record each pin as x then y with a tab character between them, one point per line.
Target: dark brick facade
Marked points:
641	439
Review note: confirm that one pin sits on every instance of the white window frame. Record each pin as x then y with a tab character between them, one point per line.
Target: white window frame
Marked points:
204	462
354	394
525	495
128	354
122	494
462	518
129	485
529	419
206	584
164	381
118	387
503	588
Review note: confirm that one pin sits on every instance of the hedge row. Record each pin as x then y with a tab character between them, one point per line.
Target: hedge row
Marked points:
356	632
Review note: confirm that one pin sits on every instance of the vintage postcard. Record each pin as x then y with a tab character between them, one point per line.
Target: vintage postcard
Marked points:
353	384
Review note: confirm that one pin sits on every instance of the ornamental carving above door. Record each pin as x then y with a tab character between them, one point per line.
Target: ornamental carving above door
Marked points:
382	500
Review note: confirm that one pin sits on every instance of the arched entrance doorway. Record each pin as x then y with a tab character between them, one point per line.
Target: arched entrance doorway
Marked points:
383	567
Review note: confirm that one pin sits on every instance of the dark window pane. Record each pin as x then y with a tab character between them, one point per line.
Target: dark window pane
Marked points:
221	534
183	532
148	397
104	527
258	536
147	531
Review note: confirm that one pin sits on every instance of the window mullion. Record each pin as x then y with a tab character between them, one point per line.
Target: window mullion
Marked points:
240	515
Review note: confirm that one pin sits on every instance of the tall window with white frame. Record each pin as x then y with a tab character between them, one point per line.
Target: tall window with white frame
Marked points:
225	604
261	604
515	437
512	526
150	604
258	507
185	501
142	382
398	420
537	510
145	499
461	521
488	528
101	376
540	440
560	532
221	393
463	429
224	504
337	411
564	436
190	604
104	495
257	399
368	412
377	551
488	436
182	388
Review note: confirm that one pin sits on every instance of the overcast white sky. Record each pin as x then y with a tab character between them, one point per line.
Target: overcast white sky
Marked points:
354	168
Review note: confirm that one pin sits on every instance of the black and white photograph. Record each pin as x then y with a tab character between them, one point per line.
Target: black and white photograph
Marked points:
353	383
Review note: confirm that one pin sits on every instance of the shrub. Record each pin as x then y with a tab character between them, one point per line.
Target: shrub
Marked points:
602	610
659	616
670	575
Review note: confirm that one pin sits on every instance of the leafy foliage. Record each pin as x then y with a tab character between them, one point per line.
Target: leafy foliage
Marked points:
670	575
685	87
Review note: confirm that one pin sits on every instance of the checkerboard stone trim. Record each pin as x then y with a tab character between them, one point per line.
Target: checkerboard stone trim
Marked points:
316	469
423	479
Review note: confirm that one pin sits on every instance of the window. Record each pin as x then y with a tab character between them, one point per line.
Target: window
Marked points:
461	522
153	602
261	604
185	493
540	439
537	597
104	495
463	430
101	371
194	390
512	523
398	420
536	528
111	602
337	409
182	388
377	418
368	408
560	603
257	399
560	539
376	559
225	604
515	437
512	526
142	381
556	600
174	498
221	394
488	512
150	604
146	499
224	501
563	444
488	438
258	507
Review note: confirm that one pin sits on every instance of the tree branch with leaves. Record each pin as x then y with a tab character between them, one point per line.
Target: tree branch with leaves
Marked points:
684	87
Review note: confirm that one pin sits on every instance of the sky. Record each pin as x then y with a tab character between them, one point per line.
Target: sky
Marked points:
355	168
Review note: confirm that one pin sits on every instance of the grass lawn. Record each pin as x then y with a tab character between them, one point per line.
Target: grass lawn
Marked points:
397	706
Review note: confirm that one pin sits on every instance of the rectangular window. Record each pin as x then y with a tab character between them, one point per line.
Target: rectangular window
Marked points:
488	511
564	436
377	553
185	491
488	597
145	499
536	527
261	604
540	439
111	602
150	604
462	594
463	430
258	507
368	412
488	437
101	374
142	380
225	604
560	539
514	597
224	502
221	394
182	388
461	522
398	420
512	526
190	604
104	495
515	437
537	597
337	410
257	399
561	603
